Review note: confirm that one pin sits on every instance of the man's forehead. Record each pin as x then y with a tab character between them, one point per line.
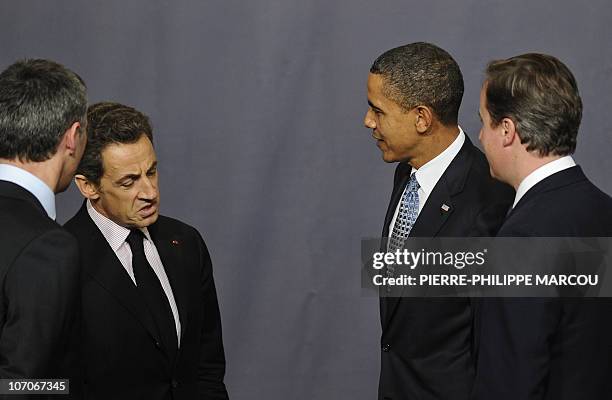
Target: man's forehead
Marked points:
483	96
375	82
128	158
375	90
378	96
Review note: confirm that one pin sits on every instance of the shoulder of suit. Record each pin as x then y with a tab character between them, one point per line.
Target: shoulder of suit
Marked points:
576	193
173	224
173	229
479	164
20	215
577	209
24	226
479	180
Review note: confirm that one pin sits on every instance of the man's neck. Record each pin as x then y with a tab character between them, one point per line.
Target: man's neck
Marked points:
526	165
434	143
46	171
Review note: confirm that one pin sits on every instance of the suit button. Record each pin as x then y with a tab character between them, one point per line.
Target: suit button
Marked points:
158	345
386	348
174	383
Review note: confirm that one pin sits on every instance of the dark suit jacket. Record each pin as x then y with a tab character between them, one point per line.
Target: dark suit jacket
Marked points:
123	354
554	348
427	343
39	278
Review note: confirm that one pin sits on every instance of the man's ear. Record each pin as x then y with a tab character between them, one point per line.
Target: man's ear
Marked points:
86	187
509	133
424	119
70	140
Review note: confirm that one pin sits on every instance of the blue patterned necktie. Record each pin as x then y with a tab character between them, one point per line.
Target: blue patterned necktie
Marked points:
406	217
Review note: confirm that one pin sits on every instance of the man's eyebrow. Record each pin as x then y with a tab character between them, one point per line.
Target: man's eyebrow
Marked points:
135	176
127	176
373	106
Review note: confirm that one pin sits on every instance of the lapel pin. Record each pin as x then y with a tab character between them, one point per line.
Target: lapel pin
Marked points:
445	208
175	242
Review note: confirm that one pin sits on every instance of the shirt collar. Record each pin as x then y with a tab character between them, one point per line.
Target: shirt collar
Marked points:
430	173
114	233
542	173
32	184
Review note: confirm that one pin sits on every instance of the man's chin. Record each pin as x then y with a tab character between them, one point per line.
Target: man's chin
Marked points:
493	174
388	158
497	177
150	219
145	222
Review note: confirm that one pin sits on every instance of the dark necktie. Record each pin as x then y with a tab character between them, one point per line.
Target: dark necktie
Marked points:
151	290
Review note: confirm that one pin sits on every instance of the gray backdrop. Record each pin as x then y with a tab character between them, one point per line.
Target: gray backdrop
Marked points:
257	109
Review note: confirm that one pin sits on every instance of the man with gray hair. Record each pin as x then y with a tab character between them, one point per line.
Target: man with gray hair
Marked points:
552	348
442	188
42	138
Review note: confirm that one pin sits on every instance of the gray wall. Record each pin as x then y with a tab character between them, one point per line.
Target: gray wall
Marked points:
257	108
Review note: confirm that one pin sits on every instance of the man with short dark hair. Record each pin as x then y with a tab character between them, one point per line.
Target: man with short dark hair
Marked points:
554	348
441	188
42	138
151	323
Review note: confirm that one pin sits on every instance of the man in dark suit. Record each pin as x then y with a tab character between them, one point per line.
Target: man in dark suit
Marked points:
151	323
42	120
554	348
441	188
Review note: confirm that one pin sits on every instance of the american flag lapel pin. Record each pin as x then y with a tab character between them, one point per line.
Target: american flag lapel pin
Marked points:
175	242
444	208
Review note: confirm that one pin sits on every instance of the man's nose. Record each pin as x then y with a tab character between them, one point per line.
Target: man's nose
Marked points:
368	120
148	190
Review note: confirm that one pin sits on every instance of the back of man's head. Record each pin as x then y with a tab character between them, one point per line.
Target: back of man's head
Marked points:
540	95
39	101
110	123
422	74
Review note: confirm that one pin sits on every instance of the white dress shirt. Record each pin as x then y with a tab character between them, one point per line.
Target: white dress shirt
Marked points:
32	184
430	173
116	235
542	173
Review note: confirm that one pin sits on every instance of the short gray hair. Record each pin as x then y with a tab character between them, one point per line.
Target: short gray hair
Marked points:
39	101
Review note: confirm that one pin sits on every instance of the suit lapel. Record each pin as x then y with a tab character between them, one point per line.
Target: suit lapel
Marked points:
433	215
169	247
400	182
438	208
105	268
